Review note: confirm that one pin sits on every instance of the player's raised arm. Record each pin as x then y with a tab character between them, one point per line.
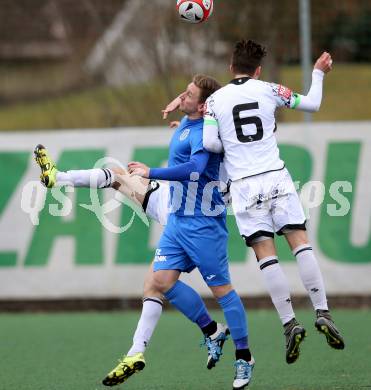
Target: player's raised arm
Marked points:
172	106
312	101
211	139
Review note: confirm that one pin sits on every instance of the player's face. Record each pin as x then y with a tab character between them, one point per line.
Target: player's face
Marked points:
190	100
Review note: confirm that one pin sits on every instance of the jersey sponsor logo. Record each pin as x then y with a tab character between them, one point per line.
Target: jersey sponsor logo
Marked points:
184	134
210	115
284	92
159	257
210	102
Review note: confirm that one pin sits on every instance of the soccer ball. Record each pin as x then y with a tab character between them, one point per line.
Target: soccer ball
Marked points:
195	11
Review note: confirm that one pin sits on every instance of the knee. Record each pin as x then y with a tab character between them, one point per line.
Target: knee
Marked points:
150	289
118	171
296	238
221	291
161	282
264	248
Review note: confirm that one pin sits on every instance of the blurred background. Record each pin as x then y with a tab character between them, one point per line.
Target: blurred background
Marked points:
88	79
67	64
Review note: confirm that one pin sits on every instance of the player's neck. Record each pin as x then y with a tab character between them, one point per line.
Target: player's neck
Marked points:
242	75
195	116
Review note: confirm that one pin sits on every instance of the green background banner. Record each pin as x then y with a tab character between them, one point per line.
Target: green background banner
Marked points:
74	255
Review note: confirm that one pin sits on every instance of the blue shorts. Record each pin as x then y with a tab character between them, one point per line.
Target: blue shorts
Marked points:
190	242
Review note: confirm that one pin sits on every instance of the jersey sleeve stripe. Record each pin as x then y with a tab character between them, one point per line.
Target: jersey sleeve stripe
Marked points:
297	101
210	122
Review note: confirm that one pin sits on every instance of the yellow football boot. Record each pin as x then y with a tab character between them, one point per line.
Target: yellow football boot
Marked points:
128	366
48	169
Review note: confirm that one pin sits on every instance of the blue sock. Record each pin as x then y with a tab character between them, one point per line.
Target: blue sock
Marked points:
235	315
188	302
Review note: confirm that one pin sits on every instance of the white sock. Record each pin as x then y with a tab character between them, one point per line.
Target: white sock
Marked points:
90	178
151	313
278	288
311	276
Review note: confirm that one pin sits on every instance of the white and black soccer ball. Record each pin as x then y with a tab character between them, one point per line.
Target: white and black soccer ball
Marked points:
195	11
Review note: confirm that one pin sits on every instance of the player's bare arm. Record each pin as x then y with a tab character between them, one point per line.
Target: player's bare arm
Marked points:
172	106
138	169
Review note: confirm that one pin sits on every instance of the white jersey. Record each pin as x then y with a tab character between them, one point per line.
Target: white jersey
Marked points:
244	111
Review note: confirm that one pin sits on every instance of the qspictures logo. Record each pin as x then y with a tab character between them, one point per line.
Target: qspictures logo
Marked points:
37	225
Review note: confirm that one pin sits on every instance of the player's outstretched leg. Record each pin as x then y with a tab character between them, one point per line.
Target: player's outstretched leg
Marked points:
325	325
243	373
295	334
48	168
87	178
214	344
128	366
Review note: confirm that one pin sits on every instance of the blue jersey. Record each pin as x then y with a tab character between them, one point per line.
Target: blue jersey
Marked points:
199	196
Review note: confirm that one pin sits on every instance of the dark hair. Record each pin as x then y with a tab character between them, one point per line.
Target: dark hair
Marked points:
207	85
247	56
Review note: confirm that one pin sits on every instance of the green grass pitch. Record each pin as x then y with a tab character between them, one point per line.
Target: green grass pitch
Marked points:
75	351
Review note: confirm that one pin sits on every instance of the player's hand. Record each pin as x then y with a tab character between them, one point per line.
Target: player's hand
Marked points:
138	169
324	62
174	124
172	106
